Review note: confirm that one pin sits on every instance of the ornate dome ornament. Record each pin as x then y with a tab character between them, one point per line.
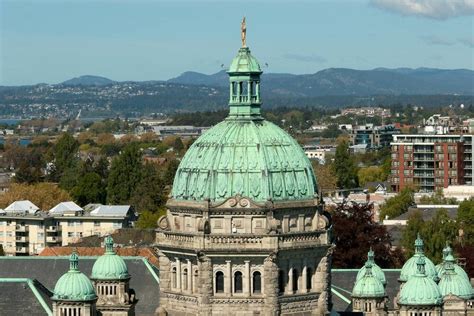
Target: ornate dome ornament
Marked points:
109	266
368	286
375	269
448	256
74	285
420	289
452	283
410	268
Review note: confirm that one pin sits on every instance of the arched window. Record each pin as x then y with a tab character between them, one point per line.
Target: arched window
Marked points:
238	282
185	279
219	282
257	282
281	281
173	278
195	282
296	279
309	278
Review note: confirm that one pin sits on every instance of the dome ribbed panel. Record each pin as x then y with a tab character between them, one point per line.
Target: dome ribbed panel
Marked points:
420	290
410	269
256	159
110	267
368	286
74	286
376	271
455	284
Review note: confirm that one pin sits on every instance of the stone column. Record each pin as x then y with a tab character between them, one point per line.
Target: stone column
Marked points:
228	278
178	274
190	276
205	284
289	284
270	286
304	276
247	279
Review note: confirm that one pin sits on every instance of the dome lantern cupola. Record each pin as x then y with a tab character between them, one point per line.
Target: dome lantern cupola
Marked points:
375	269
410	268
448	257
109	266
368	285
453	283
74	285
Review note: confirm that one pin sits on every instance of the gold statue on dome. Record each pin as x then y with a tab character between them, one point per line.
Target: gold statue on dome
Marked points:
243	33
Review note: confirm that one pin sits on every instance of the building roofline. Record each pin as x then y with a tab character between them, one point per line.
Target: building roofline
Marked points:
33	288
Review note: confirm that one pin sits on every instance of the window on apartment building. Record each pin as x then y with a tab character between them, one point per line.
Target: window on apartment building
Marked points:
70	234
1	234
117	224
96	223
409	148
79	234
395	148
41	226
406	172
453	156
9	234
439	148
3	223
9	244
70	223
40	234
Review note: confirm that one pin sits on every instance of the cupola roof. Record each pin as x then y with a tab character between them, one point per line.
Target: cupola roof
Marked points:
409	269
448	254
453	283
376	270
74	285
420	289
109	266
368	286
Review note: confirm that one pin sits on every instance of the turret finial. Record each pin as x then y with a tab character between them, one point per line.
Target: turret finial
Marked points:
420	264
74	261
109	245
418	244
243	33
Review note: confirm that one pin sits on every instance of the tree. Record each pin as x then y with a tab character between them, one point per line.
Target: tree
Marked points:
149	219
149	193
45	195
178	144
89	189
344	168
2	252
170	172
64	154
397	205
465	220
414	226
371	174
355	233
437	232
325	177
124	176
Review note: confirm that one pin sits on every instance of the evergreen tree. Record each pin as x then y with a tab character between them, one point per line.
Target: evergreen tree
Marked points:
124	176
465	220
437	232
345	168
415	225
89	189
149	193
64	155
398	204
170	172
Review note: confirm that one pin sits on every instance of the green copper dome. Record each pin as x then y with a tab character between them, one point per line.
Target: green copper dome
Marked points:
448	253
376	270
74	285
244	62
410	269
420	289
454	283
244	155
109	266
368	285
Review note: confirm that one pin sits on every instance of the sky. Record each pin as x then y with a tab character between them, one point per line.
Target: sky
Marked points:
51	41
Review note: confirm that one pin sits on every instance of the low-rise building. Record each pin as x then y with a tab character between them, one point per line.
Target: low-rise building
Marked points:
26	230
373	137
319	152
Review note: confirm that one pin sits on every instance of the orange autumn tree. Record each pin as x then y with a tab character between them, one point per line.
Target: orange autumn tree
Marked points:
45	195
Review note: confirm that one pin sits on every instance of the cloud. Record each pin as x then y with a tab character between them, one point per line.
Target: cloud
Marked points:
434	9
306	58
468	41
434	40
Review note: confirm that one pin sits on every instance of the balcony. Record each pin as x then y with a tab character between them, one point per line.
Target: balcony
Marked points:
423	159
21	239
53	239
423	175
53	229
21	250
21	228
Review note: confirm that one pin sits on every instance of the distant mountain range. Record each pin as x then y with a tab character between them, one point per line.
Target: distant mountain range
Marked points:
344	81
88	80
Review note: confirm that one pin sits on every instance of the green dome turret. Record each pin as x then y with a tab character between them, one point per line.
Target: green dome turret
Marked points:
453	283
376	270
74	285
410	269
368	286
440	268
109	266
244	155
420	289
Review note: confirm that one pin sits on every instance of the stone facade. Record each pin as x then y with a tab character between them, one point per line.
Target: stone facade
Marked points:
114	298
239	257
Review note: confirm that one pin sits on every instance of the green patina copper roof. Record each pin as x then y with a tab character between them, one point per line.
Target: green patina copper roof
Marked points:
376	270
420	289
74	285
368	285
109	266
448	253
454	283
245	154
244	63
410	267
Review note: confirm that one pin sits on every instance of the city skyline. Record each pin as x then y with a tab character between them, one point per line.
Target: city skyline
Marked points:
54	41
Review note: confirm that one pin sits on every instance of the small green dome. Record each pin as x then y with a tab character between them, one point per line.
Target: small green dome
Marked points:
420	289
448	256
376	270
368	285
74	285
409	269
244	62
109	266
454	283
251	158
